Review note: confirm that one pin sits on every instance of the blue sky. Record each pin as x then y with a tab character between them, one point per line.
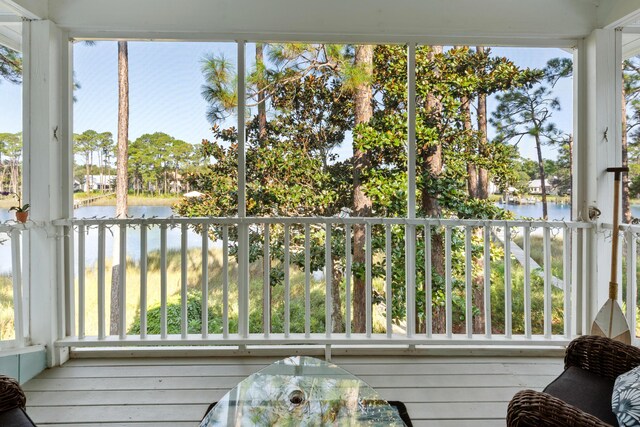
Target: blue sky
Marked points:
165	82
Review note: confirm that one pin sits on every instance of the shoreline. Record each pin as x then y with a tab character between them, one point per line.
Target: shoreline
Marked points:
7	203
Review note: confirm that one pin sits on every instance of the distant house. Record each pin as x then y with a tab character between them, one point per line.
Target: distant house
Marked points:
535	186
101	182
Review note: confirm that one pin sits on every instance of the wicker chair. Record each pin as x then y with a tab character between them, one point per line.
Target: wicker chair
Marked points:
12	404
594	360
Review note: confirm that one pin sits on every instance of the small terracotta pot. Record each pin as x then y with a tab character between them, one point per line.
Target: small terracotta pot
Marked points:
22	216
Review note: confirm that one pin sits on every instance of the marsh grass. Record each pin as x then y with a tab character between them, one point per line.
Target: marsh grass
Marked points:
297	296
7	330
215	297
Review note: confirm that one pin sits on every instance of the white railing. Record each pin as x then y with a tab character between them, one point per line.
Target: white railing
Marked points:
503	281
628	297
13	316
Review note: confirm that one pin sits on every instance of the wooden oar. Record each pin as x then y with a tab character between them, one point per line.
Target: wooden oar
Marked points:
610	321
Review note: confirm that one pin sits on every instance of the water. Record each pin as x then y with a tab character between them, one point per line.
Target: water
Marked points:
556	211
133	235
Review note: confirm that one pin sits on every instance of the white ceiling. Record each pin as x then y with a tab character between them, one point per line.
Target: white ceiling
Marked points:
10	27
498	22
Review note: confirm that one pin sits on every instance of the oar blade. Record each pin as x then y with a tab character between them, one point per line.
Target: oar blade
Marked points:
611	323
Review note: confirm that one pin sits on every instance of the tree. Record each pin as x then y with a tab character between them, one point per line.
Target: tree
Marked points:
104	146
122	185
86	144
363	110
10	65
446	144
11	147
525	113
630	104
293	63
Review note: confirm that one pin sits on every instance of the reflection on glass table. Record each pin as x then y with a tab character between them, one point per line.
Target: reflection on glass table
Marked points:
302	391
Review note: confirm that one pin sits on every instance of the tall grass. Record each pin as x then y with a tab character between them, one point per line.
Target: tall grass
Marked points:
297	296
7	330
215	296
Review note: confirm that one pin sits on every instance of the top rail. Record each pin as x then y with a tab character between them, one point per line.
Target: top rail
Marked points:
322	220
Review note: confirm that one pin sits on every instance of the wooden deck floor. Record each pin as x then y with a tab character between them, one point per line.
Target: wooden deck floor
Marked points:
438	391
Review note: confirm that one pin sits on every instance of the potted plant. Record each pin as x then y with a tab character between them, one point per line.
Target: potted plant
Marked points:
22	211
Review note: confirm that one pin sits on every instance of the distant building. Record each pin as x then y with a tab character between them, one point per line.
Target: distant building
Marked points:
100	182
535	186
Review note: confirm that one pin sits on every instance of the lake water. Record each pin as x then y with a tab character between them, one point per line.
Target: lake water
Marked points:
556	212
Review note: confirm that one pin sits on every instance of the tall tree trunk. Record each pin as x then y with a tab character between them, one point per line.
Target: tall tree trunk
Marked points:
472	171
14	176
361	203
101	172
543	182
121	178
483	174
571	187
262	121
87	184
262	108
473	188
626	205
432	164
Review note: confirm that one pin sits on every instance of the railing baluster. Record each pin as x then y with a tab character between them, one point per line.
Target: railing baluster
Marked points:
347	274
266	284
328	276
388	276
566	279
368	284
448	282
547	281
487	281
307	281
62	325
16	264
508	315
446	227
204	283
527	280
468	289
101	283
287	284
428	285
81	282
144	257
67	253
163	281
632	280
410	277
225	281
122	327
184	323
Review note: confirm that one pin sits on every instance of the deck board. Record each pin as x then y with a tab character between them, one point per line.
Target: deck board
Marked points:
438	391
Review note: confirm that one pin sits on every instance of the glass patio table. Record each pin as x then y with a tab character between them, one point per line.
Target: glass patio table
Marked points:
302	391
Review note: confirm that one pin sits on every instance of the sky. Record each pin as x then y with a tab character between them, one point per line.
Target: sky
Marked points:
165	80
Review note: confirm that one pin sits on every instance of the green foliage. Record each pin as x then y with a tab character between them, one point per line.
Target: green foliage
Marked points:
10	65
174	317
158	161
291	172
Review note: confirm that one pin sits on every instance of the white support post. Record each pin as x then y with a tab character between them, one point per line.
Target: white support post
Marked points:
597	146
46	135
410	230
243	227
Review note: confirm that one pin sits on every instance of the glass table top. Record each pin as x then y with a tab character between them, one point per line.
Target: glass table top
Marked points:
302	391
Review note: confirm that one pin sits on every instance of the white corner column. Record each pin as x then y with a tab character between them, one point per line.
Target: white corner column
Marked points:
597	146
46	129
